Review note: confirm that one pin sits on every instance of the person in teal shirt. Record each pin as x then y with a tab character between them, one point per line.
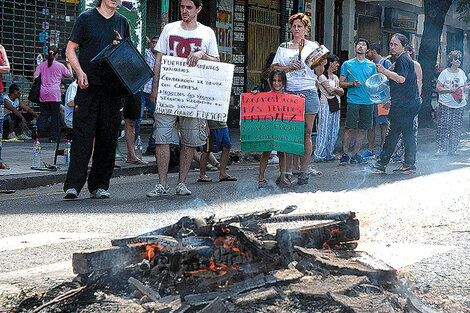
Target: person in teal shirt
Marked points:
360	110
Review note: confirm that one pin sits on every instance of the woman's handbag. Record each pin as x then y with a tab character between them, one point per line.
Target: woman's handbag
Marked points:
333	104
35	90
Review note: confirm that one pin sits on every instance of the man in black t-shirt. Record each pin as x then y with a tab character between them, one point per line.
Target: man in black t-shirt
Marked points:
405	105
97	112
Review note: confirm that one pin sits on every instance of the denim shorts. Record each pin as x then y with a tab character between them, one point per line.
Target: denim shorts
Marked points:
379	119
312	103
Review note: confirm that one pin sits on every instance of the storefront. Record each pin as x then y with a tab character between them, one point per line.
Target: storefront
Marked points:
27	30
247	30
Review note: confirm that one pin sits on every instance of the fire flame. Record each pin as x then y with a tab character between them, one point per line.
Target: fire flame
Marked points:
326	246
333	232
221	269
151	248
227	243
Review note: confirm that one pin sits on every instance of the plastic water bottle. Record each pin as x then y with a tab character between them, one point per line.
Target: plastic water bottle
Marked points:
36	154
68	146
138	147
378	89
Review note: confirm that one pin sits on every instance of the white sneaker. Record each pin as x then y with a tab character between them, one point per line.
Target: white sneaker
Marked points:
24	137
12	136
182	190
158	191
100	194
71	193
274	160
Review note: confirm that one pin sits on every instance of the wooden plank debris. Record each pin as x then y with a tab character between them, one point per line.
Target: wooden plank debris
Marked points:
88	261
216	306
149	292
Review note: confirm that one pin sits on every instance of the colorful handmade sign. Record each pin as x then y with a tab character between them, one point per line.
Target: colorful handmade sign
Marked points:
272	121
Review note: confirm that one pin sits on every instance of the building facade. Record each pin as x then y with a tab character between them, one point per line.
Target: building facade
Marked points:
247	30
377	21
28	28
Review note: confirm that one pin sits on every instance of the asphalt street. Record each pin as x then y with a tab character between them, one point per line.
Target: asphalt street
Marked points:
416	223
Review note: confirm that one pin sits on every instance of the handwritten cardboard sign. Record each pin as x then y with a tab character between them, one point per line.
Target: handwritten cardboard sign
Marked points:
201	91
272	121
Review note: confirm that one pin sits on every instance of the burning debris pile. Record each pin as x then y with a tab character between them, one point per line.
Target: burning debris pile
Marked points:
257	262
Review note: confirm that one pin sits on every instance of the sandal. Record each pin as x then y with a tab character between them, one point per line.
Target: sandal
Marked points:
204	179
285	184
262	184
290	178
3	166
137	162
314	172
228	178
302	179
211	167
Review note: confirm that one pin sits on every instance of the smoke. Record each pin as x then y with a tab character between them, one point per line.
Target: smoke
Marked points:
195	204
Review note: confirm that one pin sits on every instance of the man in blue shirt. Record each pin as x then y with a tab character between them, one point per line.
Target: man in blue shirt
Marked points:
360	110
380	110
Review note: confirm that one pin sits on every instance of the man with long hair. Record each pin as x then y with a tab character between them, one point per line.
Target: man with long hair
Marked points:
404	93
97	111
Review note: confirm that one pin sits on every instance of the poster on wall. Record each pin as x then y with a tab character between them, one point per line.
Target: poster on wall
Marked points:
132	10
54	38
239	47
272	121
224	30
308	10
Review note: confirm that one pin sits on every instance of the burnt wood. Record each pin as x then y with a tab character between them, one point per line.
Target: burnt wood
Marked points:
310	217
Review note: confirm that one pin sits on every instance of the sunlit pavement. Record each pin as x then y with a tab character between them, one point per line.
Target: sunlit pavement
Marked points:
417	223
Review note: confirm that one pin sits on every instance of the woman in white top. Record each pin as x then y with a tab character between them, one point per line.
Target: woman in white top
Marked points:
301	81
451	86
329	114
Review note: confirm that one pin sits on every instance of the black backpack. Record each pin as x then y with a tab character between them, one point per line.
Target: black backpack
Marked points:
35	90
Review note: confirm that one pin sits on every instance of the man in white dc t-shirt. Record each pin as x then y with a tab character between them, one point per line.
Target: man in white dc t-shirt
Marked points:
192	40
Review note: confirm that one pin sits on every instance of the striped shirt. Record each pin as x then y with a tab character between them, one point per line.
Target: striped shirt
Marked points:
150	59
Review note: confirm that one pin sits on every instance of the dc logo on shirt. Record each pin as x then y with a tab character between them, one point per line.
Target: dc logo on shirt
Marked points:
182	47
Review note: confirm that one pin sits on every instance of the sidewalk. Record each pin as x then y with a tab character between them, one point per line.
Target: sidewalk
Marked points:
18	156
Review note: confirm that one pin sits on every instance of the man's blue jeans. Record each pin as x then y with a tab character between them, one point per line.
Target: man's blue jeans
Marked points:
145	103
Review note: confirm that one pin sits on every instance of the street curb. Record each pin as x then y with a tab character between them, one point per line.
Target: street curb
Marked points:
33	180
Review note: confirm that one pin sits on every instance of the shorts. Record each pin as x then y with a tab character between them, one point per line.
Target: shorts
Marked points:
218	139
379	119
312	102
10	118
359	116
132	106
193	130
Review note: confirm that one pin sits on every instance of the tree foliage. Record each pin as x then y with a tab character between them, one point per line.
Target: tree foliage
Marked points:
435	12
463	8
